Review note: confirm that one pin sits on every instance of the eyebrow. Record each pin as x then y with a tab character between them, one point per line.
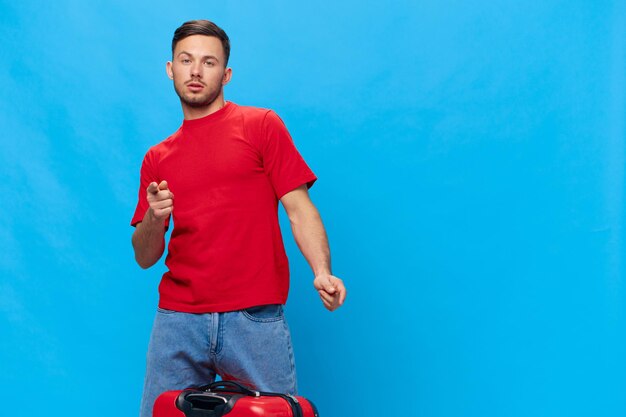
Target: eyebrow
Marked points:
206	56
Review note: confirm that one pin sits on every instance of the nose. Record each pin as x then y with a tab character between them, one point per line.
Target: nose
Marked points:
196	69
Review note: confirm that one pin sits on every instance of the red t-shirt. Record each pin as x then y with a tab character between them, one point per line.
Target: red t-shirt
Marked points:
227	172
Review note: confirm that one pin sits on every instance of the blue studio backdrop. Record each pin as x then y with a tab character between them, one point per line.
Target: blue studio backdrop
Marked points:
471	165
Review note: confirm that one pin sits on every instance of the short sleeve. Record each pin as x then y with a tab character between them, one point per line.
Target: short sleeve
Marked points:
148	174
282	162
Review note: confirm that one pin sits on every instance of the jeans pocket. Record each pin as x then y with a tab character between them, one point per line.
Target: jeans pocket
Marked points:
265	313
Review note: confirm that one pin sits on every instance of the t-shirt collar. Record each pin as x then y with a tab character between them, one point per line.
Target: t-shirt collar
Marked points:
210	118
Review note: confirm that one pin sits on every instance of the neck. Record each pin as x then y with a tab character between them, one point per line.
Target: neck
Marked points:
190	113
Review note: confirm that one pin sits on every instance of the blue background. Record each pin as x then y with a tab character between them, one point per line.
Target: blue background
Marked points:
471	165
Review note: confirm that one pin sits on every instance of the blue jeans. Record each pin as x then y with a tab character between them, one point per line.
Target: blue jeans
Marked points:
251	346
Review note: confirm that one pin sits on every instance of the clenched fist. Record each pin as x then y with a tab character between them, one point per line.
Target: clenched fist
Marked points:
161	200
331	291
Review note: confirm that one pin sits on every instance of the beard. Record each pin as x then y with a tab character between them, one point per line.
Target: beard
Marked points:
198	100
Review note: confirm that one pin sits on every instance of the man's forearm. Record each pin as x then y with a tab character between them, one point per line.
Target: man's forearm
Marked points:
149	240
310	235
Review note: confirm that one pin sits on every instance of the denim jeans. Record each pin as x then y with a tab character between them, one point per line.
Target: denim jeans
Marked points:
251	346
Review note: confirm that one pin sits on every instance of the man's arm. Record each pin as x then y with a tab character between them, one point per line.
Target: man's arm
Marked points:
149	236
309	233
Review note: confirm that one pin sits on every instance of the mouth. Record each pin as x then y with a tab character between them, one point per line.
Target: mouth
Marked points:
195	86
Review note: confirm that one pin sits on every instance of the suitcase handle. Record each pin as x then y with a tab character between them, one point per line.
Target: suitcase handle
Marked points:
232	386
229	386
194	404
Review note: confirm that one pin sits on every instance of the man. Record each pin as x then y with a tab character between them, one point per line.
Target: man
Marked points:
220	177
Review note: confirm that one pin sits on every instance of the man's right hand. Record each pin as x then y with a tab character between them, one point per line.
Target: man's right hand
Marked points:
161	200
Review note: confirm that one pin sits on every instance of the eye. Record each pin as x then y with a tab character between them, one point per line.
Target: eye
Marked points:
185	60
209	63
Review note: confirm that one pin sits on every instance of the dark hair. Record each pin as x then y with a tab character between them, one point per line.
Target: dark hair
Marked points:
202	27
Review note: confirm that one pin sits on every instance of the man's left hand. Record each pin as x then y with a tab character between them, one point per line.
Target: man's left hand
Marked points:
331	291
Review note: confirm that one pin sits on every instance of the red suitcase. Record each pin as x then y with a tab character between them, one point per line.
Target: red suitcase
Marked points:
230	399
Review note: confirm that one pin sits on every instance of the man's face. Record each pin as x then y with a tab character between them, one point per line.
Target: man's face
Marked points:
198	70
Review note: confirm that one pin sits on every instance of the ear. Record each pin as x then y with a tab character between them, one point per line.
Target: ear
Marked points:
228	73
168	69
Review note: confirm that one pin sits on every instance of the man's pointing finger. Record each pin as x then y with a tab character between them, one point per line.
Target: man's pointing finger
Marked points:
153	188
